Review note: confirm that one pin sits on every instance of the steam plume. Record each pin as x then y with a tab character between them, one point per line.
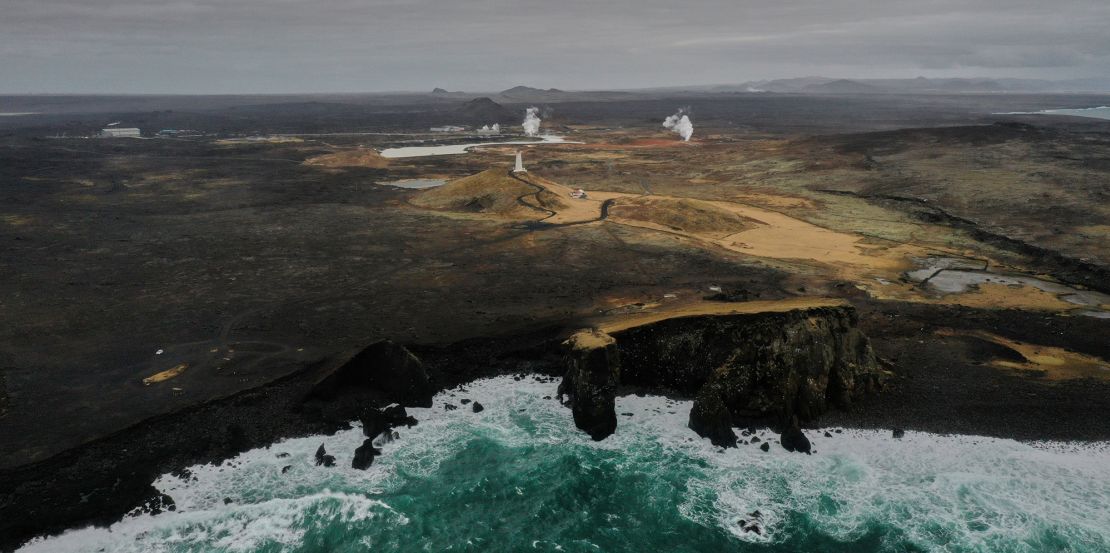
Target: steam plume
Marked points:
531	122
680	124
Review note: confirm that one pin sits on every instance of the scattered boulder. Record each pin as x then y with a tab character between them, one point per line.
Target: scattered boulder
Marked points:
286	468
765	447
477	407
364	455
898	433
590	382
450	407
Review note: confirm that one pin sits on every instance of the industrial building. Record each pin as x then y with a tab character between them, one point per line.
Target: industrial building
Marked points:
120	132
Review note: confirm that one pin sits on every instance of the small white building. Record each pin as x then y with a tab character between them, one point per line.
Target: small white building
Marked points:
120	132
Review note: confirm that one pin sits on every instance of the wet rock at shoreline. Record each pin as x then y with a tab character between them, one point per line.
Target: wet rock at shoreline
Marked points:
793	439
364	455
380	421
157	504
398	416
710	418
322	457
753	524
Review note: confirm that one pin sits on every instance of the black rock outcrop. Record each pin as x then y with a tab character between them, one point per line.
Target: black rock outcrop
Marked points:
779	367
774	366
793	439
379	421
398	416
710	418
322	457
385	367
591	380
364	455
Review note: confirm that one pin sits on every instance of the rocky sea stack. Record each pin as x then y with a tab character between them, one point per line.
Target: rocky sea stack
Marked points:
590	384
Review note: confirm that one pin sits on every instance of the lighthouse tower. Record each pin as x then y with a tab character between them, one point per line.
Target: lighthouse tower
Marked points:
519	165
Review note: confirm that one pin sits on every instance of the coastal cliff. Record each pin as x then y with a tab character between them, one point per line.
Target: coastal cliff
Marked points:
776	367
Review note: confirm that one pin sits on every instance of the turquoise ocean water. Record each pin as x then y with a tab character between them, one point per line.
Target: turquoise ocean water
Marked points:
519	477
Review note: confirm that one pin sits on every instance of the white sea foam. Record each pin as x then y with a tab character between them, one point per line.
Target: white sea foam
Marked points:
1098	112
943	492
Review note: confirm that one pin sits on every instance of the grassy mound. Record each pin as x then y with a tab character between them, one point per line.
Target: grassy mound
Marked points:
492	191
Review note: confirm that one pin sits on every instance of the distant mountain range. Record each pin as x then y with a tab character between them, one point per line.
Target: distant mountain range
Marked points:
807	85
825	85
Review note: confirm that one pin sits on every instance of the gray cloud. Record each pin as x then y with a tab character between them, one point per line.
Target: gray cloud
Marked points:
373	45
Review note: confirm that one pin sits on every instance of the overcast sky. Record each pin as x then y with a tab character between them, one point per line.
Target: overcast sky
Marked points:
238	46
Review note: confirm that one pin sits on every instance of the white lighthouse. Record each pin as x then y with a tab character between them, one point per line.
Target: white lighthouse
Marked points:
519	165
